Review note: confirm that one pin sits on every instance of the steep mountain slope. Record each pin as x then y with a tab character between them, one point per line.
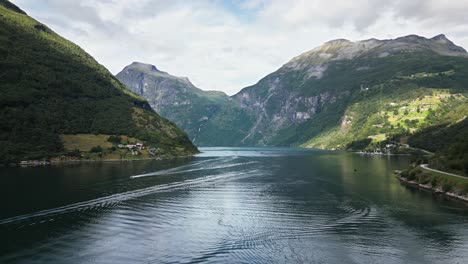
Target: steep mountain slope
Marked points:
344	91
51	87
210	118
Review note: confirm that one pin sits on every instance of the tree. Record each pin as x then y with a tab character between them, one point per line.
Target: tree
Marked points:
97	149
114	139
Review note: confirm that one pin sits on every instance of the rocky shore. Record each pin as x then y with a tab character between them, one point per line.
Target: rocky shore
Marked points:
428	187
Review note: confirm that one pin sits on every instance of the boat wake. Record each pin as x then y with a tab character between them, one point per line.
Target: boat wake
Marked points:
116	198
183	169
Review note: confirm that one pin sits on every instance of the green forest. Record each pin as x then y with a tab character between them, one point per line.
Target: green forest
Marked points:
51	87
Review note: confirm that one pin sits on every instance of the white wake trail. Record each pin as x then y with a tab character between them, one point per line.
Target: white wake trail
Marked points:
172	171
132	194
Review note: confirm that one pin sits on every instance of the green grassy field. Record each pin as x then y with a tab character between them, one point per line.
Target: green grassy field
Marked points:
412	114
383	116
85	143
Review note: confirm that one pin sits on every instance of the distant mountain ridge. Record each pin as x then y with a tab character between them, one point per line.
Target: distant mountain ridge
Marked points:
51	88
337	93
346	49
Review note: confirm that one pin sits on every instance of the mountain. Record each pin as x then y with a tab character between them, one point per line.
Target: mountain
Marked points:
344	91
54	92
210	118
329	97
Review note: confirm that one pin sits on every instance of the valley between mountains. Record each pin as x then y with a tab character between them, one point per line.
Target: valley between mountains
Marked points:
401	96
373	95
351	152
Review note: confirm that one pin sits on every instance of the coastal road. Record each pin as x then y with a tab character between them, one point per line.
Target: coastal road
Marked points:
425	166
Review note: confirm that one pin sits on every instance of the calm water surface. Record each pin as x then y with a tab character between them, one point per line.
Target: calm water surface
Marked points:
227	205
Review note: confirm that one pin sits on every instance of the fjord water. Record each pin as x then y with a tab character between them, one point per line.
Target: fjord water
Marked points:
227	205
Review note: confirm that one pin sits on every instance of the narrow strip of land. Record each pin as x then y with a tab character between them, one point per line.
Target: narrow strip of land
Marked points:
425	166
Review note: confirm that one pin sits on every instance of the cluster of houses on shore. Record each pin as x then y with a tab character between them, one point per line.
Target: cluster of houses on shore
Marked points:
32	163
134	148
387	150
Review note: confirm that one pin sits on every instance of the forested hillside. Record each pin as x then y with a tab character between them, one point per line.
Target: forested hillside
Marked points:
51	87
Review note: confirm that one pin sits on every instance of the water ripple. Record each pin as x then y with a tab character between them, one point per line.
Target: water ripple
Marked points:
112	199
258	207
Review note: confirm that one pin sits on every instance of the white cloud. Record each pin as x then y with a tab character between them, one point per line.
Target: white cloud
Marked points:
252	4
221	47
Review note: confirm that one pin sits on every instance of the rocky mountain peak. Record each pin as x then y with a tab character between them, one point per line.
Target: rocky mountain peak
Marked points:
441	37
158	86
443	40
144	66
439	44
337	42
152	70
339	49
410	38
343	49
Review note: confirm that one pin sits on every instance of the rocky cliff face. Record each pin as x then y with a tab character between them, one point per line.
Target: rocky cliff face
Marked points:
280	108
321	91
160	88
206	116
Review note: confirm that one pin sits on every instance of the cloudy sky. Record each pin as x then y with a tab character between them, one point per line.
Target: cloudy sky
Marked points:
227	44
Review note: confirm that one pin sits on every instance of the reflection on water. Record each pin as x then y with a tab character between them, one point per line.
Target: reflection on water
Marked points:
250	205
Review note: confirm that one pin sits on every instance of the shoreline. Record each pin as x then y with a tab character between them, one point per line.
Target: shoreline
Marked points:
434	190
72	161
381	154
385	154
55	162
